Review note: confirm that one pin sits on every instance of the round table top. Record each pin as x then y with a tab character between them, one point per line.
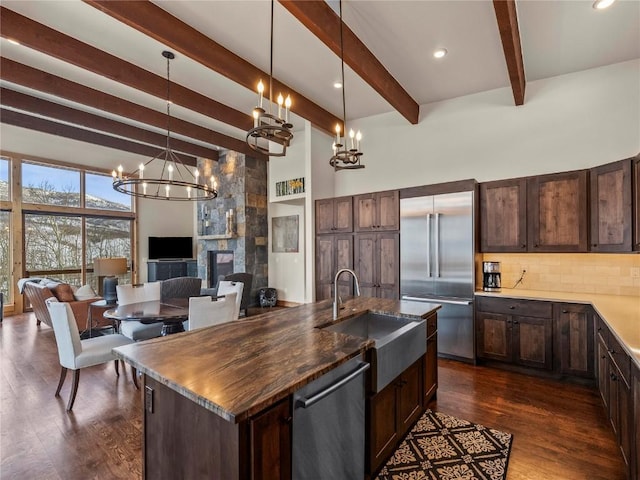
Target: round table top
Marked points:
170	310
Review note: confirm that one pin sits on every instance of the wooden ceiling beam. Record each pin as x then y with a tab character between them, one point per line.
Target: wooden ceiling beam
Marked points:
157	23
18	119
507	18
323	22
63	47
20	74
45	108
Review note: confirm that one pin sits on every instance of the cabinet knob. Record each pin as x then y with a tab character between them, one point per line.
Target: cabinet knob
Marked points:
535	245
594	244
613	376
515	322
524	245
565	311
287	420
599	329
512	307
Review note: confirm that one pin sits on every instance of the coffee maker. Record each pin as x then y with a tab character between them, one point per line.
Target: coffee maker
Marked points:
491	276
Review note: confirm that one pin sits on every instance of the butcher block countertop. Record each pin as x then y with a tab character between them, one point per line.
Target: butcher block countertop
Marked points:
239	368
620	312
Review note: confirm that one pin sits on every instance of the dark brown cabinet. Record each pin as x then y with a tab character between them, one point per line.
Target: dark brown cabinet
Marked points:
636	203
635	455
574	339
393	411
611	218
503	215
270	439
557	212
377	211
333	252
430	365
515	331
376	263
334	215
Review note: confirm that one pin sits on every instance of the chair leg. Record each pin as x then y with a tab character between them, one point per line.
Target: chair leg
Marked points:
63	375
37	322
74	389
134	376
117	368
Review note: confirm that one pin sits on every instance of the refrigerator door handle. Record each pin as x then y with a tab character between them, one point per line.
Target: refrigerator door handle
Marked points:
437	300
429	245
437	244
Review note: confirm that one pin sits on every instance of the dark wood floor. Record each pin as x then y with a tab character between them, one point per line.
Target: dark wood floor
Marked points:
560	432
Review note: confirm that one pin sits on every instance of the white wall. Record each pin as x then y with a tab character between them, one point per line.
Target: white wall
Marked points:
568	122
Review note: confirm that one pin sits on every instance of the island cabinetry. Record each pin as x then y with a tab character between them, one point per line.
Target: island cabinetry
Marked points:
503	215
557	206
574	336
515	331
430	365
392	412
636	203
614	384
334	215
333	252
377	211
185	440
611	210
376	263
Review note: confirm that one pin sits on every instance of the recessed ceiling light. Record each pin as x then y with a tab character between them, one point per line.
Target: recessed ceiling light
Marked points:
440	52
602	4
337	85
15	42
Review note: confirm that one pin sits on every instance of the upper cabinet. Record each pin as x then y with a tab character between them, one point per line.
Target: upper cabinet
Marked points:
611	210
557	212
636	203
377	211
503	210
334	215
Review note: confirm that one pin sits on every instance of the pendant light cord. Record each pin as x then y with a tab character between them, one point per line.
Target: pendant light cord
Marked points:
344	103
168	102
271	61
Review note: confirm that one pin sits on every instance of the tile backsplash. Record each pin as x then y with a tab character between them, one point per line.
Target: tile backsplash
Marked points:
617	274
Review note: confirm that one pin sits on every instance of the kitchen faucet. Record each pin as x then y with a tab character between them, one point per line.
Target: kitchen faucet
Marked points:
336	298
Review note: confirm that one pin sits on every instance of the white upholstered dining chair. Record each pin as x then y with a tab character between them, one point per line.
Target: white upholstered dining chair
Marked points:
75	353
145	292
206	311
226	287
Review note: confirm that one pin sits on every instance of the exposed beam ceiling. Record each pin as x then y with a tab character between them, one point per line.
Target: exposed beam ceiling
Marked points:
35	79
28	103
155	22
510	35
323	22
31	122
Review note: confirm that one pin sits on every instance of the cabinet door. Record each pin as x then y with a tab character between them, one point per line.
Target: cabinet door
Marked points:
494	336
611	207
364	212
343	214
431	369
603	372
387	265
324	216
383	434
636	425
271	443
344	259
532	339
636	208
503	216
333	252
557	206
575	338
365	258
388	210
625	418
409	397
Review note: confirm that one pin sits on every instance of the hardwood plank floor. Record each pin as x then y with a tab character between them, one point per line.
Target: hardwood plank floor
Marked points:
560	432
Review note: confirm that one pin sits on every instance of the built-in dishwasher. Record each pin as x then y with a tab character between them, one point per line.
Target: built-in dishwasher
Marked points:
329	425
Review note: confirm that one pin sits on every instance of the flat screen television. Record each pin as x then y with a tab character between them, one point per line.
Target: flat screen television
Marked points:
164	248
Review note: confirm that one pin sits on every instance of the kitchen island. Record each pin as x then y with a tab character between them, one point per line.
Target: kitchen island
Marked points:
217	401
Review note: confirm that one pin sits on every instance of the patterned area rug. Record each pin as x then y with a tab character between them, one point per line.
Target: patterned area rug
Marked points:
442	447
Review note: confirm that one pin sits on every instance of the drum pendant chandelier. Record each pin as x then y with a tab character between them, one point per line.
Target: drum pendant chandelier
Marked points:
176	181
345	157
267	126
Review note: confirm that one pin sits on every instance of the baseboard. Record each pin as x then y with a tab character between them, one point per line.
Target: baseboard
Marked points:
284	303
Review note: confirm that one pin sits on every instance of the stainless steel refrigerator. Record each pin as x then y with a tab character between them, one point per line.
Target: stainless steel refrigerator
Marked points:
437	265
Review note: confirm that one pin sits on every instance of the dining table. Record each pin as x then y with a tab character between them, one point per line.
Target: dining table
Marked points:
171	312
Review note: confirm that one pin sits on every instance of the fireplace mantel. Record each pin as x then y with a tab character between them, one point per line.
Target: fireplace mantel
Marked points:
216	237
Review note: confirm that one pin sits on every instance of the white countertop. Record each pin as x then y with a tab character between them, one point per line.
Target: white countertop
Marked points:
620	312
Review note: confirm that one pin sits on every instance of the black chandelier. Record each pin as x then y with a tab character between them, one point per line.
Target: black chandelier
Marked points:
267	126
345	157
176	180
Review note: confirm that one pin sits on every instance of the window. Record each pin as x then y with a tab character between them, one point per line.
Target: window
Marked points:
108	237
5	256
4	179
100	193
50	185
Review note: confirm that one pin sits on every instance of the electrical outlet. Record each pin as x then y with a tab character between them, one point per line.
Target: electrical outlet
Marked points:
635	272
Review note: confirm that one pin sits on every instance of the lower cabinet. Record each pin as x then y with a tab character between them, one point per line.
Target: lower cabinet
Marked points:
165	269
430	364
270	439
574	339
504	333
392	412
635	456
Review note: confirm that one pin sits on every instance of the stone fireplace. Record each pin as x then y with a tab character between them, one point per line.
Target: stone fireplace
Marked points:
242	187
219	265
